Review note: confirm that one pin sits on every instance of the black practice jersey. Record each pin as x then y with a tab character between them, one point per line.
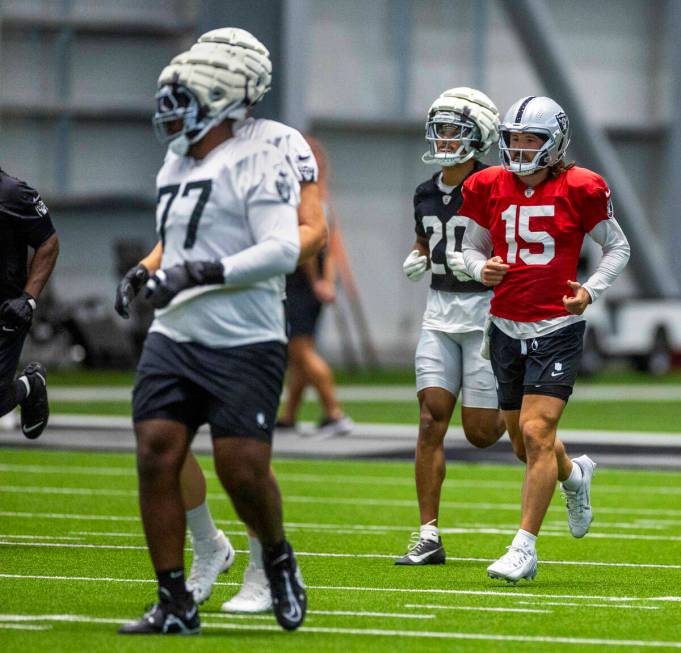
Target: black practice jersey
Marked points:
24	222
436	215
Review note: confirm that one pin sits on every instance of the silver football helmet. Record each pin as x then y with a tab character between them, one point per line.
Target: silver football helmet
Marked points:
462	123
536	115
227	71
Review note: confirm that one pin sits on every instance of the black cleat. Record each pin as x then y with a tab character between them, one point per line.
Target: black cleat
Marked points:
166	618
35	410
289	600
424	552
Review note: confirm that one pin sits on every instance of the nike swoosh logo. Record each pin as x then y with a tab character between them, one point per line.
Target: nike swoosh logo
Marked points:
423	556
29	429
8	329
556	373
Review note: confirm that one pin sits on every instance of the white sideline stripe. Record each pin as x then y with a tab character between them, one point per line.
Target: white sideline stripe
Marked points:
476	608
67	470
41	537
590	605
511	593
386	633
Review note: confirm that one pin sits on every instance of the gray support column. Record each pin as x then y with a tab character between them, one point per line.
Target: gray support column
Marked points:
400	32
672	169
263	18
480	31
294	70
536	29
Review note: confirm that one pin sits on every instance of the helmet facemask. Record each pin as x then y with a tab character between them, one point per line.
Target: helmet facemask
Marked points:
452	138
513	158
178	102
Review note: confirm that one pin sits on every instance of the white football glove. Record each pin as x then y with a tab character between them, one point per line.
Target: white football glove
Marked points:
415	265
456	265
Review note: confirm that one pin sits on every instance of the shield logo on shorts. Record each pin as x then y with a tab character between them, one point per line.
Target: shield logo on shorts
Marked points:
446	199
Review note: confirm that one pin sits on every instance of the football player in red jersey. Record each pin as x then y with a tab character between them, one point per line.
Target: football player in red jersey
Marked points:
532	213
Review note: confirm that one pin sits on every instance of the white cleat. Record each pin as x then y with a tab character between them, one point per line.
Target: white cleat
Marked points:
211	558
578	503
517	563
254	595
334	428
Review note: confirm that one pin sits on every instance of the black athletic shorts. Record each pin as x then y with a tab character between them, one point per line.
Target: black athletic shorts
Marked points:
11	345
537	366
236	390
302	310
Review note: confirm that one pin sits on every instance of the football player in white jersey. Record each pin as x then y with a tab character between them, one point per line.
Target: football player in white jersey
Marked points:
227	221
461	126
213	553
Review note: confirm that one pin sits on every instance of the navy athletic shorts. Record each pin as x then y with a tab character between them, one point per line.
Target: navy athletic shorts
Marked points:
536	366
236	390
302	311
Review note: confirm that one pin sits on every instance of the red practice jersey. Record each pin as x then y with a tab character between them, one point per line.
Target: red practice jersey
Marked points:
538	232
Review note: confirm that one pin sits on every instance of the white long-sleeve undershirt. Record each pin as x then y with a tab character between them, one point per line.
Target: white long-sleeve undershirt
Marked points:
276	250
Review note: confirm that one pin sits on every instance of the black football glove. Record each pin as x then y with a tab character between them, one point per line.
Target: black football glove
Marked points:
17	313
127	289
165	284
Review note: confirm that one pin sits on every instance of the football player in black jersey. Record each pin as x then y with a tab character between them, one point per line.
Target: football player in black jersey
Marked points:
24	223
461	127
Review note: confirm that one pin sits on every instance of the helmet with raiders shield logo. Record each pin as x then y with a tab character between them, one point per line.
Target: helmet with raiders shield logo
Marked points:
542	117
462	124
227	71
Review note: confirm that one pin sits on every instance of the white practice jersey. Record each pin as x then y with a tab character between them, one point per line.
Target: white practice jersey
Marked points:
456	312
208	209
287	140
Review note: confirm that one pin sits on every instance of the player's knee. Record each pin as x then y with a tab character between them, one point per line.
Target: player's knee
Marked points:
156	456
432	428
537	437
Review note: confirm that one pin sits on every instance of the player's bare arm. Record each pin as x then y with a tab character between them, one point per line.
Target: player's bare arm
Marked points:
43	263
312	223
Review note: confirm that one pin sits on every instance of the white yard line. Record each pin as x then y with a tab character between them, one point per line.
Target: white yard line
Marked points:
476	608
23	627
510	592
354	556
341	479
379	632
590	605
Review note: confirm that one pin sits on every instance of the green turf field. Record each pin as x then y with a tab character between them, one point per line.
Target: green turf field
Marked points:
73	563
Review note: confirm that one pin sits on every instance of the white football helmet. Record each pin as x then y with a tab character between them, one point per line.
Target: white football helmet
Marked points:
227	71
462	116
536	115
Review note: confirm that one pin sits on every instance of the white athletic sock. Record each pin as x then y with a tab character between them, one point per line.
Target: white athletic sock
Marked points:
573	481
524	539
255	552
429	531
200	523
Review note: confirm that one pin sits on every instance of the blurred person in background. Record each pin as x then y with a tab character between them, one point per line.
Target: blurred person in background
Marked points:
212	551
528	219
461	126
24	223
308	289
